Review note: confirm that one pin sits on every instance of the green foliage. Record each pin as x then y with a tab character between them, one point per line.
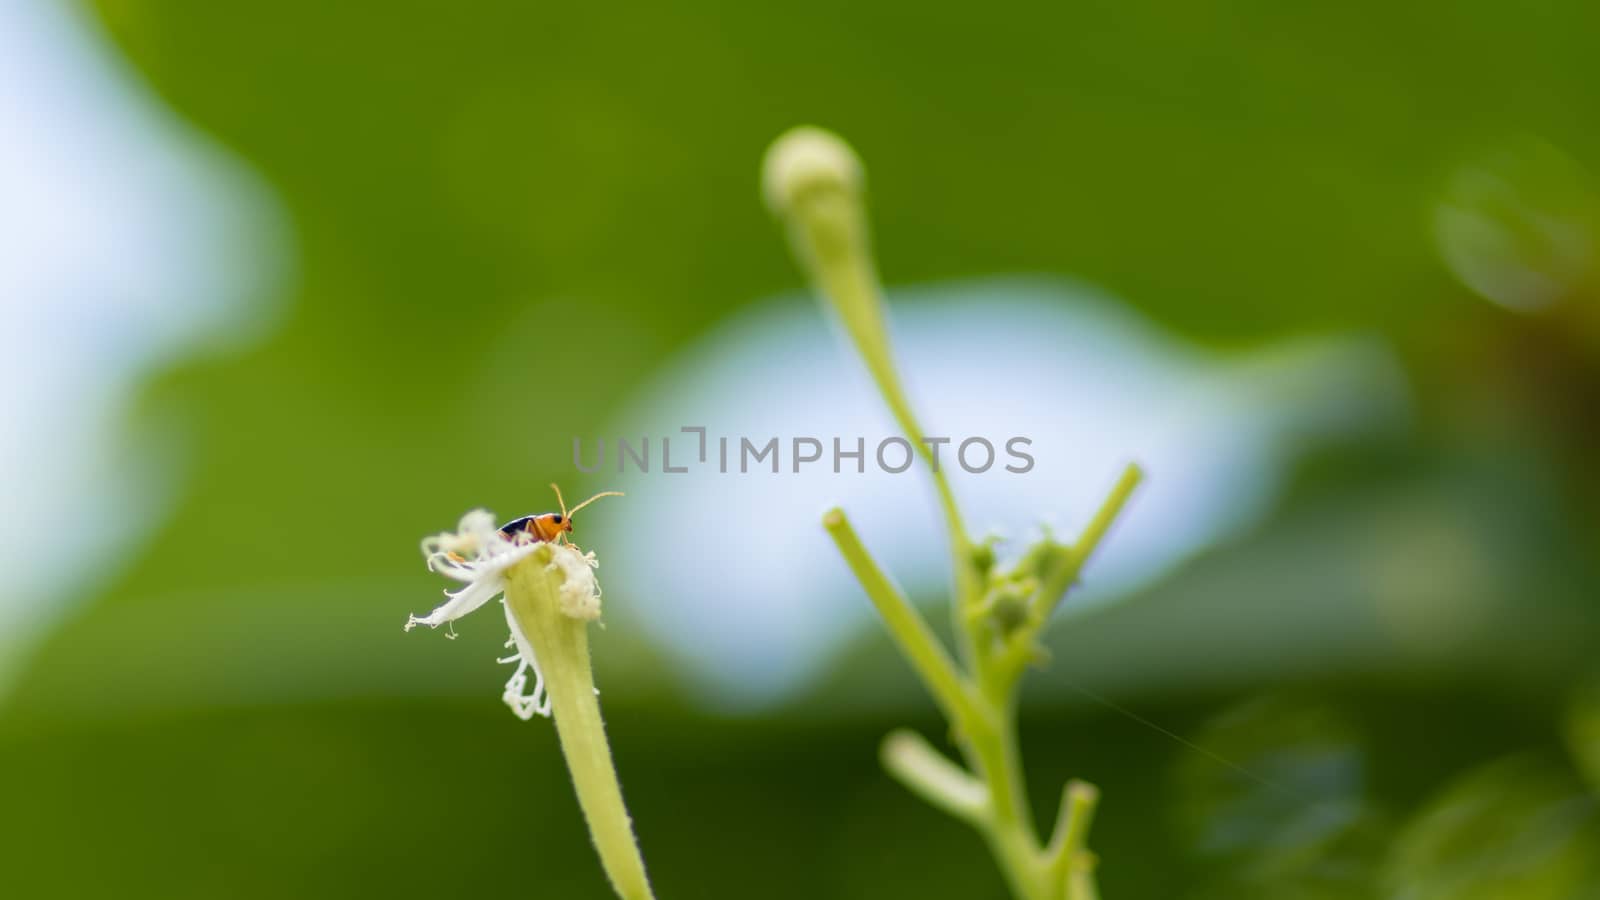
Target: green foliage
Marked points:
1518	827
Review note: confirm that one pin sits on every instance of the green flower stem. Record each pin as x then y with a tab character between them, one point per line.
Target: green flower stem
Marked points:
843	272
1055	584
1080	881
1060	567
1070	861
985	728
929	775
906	626
814	184
1010	831
561	644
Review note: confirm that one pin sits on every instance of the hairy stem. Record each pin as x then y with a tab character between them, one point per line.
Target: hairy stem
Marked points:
561	644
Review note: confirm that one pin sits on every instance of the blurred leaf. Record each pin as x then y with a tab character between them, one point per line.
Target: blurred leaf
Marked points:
1519	226
1583	732
1279	799
1518	827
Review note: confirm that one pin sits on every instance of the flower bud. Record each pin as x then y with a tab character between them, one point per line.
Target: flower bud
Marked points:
805	162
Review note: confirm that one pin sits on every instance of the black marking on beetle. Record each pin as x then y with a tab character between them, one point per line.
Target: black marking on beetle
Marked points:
516	526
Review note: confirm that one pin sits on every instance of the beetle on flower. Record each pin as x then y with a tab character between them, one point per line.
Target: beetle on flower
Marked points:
550	595
480	555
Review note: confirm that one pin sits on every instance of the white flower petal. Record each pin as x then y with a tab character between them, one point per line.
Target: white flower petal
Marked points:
461	602
525	705
475	536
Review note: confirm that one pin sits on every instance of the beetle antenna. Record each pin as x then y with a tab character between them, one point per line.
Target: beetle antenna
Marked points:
564	513
574	511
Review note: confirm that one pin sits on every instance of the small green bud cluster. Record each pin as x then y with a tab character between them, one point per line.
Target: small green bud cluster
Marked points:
1013	609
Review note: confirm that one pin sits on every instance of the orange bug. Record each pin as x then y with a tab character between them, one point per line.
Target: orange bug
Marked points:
549	526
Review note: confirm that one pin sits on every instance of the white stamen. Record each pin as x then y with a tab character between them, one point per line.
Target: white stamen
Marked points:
525	705
580	592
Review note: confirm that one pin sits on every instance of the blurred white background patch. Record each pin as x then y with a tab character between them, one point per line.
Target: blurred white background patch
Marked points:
733	574
125	242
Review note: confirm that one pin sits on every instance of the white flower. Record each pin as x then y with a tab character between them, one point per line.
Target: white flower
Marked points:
479	555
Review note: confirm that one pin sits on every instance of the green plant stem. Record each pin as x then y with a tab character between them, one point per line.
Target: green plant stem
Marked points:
561	644
1010	830
1056	583
984	716
1061	569
984	720
931	776
984	723
1070	862
906	626
813	182
829	233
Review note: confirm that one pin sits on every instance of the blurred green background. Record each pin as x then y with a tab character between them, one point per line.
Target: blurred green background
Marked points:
497	221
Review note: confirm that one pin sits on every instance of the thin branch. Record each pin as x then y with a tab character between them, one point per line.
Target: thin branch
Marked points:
1056	582
906	626
1072	822
934	778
